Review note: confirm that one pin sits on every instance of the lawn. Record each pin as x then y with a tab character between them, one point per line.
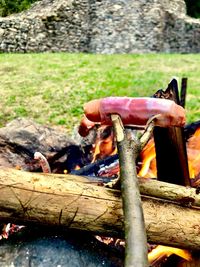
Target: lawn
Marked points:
52	88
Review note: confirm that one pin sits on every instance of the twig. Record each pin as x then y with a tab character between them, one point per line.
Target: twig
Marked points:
43	162
148	131
135	234
183	91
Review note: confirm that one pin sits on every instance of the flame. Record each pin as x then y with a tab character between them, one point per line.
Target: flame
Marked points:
148	170
148	156
162	252
193	148
105	144
77	167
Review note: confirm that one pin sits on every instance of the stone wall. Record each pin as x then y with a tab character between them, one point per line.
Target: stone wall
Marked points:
102	26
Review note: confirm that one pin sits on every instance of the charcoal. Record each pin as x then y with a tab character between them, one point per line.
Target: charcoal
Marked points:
39	248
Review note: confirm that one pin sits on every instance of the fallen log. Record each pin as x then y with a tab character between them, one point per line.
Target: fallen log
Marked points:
68	201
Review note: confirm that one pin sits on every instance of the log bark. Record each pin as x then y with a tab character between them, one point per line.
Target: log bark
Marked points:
68	201
181	195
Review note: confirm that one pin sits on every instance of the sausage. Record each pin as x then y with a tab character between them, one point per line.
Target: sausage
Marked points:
85	126
136	111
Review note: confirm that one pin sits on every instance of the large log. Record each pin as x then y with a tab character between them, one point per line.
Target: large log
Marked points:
71	201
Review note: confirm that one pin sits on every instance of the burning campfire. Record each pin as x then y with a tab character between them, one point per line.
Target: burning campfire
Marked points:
148	158
98	156
146	165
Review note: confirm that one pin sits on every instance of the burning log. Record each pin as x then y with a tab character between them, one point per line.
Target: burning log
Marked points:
93	168
170	145
69	201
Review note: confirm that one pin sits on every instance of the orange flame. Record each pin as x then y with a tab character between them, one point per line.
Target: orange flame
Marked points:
148	156
148	170
193	148
162	252
105	145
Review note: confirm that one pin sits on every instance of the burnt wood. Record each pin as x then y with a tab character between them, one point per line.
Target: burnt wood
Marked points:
183	91
93	168
190	129
171	154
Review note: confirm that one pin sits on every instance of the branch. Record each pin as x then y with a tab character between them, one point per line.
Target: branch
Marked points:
135	233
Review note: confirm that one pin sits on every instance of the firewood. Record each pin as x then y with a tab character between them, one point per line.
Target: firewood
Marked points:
171	154
69	201
183	91
181	195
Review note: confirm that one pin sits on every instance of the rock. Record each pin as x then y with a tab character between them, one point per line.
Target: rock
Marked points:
21	138
1	32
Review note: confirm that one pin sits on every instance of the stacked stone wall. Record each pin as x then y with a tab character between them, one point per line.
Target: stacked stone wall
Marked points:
101	26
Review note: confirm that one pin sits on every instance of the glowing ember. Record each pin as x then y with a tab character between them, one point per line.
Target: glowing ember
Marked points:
9	229
148	156
105	144
193	148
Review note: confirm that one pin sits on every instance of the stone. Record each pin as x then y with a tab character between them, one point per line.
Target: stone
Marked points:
21	138
105	27
1	32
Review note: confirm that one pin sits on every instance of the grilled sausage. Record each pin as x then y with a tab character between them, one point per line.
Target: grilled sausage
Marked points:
136	111
85	126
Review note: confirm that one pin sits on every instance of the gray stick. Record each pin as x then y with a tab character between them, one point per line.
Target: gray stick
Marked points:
134	226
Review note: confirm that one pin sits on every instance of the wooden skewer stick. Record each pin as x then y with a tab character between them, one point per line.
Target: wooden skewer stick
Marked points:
134	226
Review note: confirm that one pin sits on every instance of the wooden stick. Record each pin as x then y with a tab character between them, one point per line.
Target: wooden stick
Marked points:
69	201
134	226
183	91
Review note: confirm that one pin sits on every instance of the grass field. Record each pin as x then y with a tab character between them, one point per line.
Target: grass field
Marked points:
52	88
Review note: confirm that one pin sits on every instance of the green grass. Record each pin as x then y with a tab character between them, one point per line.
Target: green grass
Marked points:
52	88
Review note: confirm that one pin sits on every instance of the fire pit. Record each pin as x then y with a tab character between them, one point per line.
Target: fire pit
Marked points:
78	202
